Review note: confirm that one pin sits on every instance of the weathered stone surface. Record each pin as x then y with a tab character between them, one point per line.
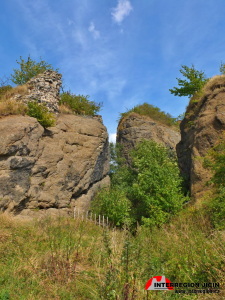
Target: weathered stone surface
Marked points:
201	128
44	88
133	128
57	168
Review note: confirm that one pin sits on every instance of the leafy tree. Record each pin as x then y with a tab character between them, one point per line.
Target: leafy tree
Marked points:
193	83
156	191
28	69
149	191
79	104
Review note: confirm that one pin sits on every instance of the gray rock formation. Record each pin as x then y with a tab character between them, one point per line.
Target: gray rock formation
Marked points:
57	168
133	128
44	88
202	127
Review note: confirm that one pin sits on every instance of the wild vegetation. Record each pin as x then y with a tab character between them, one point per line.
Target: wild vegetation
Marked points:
148	192
73	259
193	83
41	113
215	160
28	68
151	111
78	104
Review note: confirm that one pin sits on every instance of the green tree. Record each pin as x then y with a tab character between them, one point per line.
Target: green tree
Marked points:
149	191
193	83
156	191
28	69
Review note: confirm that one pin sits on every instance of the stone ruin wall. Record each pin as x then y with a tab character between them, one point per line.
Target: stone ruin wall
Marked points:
44	88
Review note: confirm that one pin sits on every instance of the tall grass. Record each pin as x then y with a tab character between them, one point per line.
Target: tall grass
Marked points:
73	259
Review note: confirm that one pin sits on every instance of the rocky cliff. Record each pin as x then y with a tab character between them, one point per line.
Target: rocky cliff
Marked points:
134	127
60	167
57	168
201	128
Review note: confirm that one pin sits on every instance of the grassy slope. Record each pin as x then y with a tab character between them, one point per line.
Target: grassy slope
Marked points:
70	259
150	111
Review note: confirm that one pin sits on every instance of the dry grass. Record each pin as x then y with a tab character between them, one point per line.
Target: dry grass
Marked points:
19	90
12	107
63	109
213	86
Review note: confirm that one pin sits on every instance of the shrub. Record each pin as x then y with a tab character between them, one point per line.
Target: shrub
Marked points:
41	113
113	204
151	111
79	104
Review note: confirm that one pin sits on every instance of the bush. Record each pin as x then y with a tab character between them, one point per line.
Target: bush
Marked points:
79	104
113	204
151	111
41	113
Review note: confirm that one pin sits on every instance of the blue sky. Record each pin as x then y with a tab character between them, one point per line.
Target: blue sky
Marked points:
119	52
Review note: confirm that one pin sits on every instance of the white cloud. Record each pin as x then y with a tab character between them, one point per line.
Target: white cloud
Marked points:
112	138
122	10
92	29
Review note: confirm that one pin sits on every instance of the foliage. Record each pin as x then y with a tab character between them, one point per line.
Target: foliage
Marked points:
80	104
74	259
151	111
41	113
193	83
222	68
152	184
156	192
215	160
113	204
28	68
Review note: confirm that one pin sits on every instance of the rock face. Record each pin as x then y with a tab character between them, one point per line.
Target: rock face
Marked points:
201	128
44	88
57	168
135	127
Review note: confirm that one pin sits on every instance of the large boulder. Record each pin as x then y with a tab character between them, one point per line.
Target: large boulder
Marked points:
134	128
202	127
61	167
